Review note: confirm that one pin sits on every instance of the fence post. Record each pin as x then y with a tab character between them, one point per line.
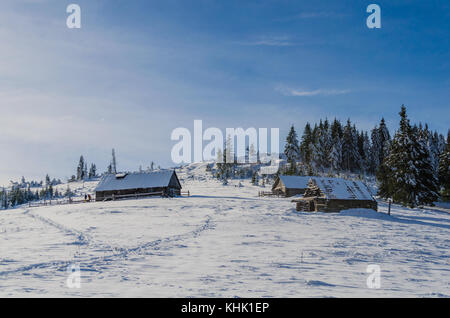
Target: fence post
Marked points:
389	207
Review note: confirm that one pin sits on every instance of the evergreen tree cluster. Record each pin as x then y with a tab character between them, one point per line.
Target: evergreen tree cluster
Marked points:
228	166
412	168
82	171
416	165
22	192
225	162
444	169
332	147
292	149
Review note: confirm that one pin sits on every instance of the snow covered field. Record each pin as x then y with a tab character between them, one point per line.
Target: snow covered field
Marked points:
223	241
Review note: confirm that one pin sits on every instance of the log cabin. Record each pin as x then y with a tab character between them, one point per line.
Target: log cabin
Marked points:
335	195
289	186
138	184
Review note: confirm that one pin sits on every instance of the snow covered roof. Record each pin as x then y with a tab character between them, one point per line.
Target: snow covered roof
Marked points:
273	168
336	188
137	180
269	170
277	162
295	182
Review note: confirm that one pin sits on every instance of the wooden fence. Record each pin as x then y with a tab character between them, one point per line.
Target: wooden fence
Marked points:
268	194
131	196
138	195
57	202
108	198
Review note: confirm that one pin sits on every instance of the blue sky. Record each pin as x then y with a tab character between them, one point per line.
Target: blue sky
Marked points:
138	69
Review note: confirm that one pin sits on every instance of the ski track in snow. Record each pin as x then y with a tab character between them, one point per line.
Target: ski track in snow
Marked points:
223	241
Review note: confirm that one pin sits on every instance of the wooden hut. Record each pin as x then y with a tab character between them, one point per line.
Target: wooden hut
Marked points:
128	185
335	195
289	186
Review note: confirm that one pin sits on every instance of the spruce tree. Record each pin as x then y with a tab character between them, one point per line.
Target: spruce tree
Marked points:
431	141
350	154
252	154
92	171
254	178
291	149
444	169
322	145
365	152
219	164
400	170
85	171
336	129
229	151
68	193
306	145
4	199
385	139
247	154
336	155
224	166
375	150
357	159
80	169
427	187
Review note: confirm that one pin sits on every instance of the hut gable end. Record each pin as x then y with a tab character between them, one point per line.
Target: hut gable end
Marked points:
290	185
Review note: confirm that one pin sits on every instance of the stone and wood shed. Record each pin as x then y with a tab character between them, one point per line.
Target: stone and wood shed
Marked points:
335	195
138	184
289	186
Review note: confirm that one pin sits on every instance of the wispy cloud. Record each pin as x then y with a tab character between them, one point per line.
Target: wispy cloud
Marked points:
316	92
269	41
312	15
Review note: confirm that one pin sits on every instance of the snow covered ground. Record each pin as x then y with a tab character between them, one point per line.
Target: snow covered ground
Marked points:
223	241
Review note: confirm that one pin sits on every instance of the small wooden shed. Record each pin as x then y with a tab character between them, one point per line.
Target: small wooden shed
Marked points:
289	186
138	184
335	195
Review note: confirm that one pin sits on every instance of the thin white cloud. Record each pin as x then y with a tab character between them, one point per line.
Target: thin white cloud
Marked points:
269	41
312	15
319	14
316	92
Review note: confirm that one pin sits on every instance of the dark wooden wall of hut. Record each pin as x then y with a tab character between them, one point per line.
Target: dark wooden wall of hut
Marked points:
281	190
101	195
333	205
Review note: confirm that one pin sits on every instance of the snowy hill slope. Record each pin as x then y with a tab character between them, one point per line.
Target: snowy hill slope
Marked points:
223	241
